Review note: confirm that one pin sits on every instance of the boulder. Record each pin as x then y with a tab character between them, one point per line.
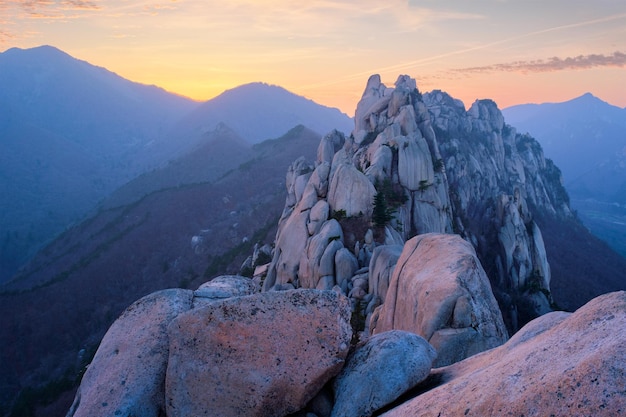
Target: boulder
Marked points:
224	286
318	257
267	354
330	144
291	241
345	266
350	190
415	166
381	370
380	162
127	374
319	214
445	299
560	364
299	168
382	264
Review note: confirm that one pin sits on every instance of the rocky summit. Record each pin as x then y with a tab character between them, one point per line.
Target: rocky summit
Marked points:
414	164
405	256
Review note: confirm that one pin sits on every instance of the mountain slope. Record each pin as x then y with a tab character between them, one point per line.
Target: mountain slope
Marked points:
580	135
220	150
586	138
259	111
70	133
66	298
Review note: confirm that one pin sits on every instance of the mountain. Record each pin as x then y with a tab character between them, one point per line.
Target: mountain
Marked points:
259	111
586	138
70	133
219	151
57	308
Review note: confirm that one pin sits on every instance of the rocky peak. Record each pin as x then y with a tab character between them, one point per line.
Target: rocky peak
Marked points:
421	163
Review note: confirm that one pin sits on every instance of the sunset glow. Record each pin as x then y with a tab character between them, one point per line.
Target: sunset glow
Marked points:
511	51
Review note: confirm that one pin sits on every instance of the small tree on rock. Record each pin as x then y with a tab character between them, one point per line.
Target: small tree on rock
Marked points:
381	214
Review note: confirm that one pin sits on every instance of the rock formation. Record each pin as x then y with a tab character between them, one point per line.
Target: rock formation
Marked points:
439	291
262	355
127	374
380	371
560	364
418	164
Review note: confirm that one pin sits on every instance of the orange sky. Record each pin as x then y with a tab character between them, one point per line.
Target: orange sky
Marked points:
511	51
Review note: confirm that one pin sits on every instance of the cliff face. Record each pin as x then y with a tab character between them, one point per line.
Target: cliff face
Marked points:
418	164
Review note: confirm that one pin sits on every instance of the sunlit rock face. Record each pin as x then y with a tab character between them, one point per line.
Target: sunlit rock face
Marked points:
266	354
559	364
414	164
440	291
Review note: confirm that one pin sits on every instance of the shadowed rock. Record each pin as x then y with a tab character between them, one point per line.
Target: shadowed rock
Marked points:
380	371
224	286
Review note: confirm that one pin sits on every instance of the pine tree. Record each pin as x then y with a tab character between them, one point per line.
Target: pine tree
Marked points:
381	214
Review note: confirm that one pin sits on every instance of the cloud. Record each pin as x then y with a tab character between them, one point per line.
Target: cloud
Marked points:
5	37
615	60
79	5
51	9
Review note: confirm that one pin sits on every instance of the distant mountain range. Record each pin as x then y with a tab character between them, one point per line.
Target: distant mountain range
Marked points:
259	111
586	138
71	133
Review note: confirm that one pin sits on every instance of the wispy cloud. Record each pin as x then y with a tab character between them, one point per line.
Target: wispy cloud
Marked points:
51	9
79	5
5	37
616	60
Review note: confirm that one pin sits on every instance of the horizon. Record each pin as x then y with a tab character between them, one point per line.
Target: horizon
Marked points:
467	105
325	50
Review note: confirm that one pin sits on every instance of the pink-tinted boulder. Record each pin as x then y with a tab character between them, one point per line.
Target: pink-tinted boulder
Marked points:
127	374
266	354
559	364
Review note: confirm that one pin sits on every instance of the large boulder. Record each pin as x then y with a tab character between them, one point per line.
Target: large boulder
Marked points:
560	364
440	291
127	374
381	370
415	166
267	354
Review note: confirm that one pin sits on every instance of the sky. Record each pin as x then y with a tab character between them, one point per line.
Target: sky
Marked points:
512	51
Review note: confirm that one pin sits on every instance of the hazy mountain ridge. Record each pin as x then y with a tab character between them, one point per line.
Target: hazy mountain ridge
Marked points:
70	134
268	110
582	135
100	131
586	138
220	150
